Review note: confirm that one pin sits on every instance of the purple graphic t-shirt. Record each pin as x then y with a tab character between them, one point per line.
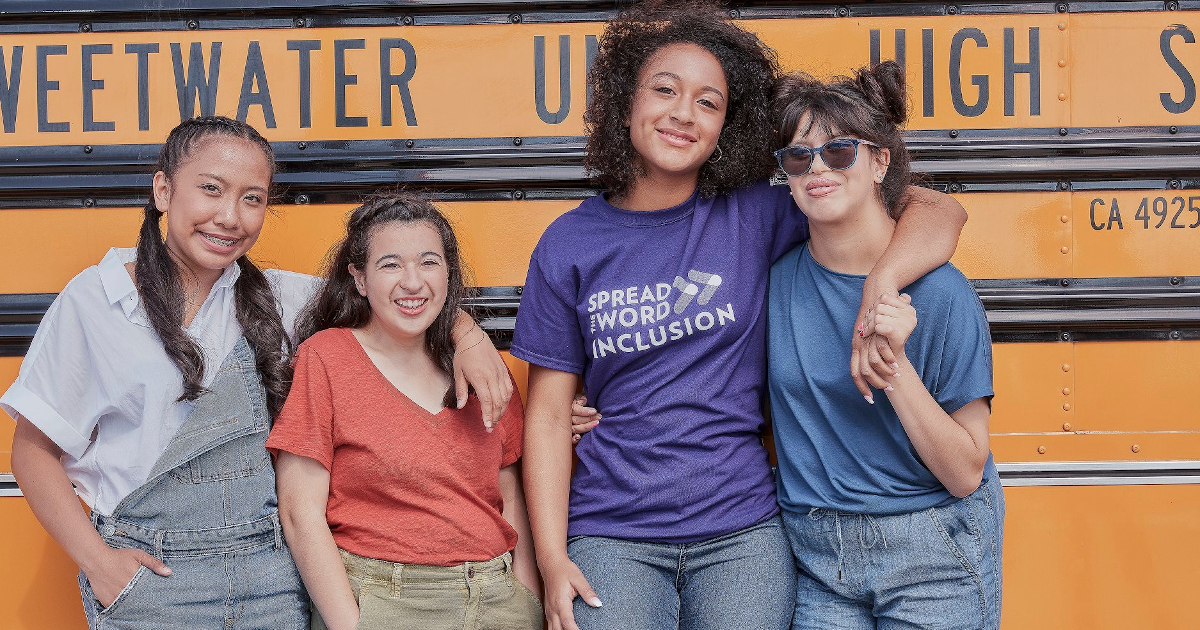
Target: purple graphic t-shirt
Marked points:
664	315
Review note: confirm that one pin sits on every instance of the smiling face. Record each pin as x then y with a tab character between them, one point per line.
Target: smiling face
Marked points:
678	111
405	278
833	196
215	203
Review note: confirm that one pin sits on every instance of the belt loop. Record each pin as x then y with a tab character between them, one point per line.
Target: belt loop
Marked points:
278	530
95	514
397	578
508	574
158	544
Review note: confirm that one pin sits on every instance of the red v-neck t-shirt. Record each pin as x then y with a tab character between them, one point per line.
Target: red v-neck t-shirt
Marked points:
405	485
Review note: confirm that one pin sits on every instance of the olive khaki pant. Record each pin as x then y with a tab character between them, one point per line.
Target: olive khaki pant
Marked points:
469	596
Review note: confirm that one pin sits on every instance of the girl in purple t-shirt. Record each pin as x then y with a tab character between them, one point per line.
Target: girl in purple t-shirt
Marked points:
654	294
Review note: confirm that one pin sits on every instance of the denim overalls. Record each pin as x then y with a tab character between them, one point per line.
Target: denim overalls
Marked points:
208	510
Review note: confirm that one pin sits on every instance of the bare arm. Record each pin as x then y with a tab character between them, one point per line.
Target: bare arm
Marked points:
954	446
524	565
44	482
303	485
925	238
477	362
547	456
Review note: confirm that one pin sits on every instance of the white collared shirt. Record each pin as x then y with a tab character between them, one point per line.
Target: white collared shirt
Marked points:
97	381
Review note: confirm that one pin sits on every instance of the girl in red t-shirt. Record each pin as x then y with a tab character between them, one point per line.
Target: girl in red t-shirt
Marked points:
401	510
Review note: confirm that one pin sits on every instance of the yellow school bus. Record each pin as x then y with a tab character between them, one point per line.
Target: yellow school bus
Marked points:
1070	132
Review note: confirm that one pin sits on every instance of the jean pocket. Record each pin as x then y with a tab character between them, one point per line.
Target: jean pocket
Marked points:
959	527
123	596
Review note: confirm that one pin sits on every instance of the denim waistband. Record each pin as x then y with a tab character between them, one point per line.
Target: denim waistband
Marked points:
230	538
398	573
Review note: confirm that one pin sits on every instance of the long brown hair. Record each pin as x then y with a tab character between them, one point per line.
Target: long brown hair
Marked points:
158	285
338	303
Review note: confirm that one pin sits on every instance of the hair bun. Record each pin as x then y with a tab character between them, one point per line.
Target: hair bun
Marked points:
883	86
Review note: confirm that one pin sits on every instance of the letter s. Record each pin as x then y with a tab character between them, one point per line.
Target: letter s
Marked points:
1185	77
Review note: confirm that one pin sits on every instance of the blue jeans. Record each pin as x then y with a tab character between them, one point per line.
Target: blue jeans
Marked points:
744	580
935	569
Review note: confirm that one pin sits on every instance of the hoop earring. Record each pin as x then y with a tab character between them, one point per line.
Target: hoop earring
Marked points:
719	154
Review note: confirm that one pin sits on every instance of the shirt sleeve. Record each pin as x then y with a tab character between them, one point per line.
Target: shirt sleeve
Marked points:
57	388
965	372
305	424
547	331
787	225
292	293
512	427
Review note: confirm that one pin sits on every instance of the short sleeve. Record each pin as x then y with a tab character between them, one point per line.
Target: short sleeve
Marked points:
787	224
305	424
512	427
292	292
547	331
58	388
966	358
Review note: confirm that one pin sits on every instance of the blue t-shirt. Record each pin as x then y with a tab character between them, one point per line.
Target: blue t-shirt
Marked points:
835	450
664	314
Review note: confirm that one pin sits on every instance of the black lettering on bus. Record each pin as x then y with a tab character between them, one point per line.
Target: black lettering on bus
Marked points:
1033	68
980	81
388	80
592	48
44	87
564	79
1185	77
90	85
1114	216
305	47
143	52
197	85
899	38
1178	212
10	87
255	73
927	71
341	80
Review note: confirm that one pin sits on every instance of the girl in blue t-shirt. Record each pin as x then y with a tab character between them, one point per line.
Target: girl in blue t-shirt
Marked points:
892	505
654	295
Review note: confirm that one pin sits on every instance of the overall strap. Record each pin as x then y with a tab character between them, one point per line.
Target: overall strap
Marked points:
233	406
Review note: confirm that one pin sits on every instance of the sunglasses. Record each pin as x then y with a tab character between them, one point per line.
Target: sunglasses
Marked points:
838	154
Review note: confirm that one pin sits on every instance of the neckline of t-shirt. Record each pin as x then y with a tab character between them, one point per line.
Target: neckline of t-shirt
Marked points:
648	218
388	385
840	274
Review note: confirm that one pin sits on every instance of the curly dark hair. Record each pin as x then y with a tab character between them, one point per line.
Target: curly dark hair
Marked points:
629	41
871	105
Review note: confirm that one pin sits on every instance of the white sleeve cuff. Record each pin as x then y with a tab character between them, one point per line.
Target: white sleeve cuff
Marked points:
19	400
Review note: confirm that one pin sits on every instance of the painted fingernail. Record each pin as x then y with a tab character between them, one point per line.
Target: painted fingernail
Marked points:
869	399
889	388
595	602
895	366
